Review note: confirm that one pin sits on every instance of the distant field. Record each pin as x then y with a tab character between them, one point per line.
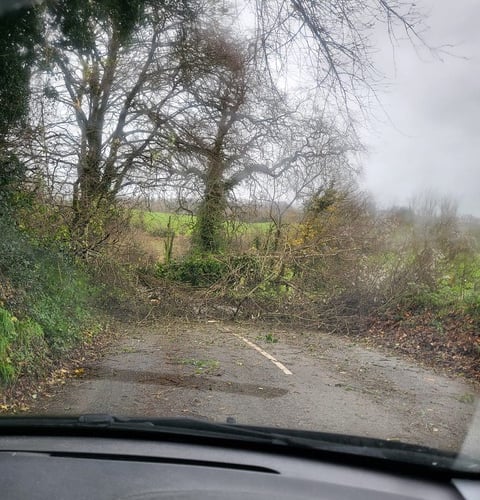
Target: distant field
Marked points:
156	223
249	227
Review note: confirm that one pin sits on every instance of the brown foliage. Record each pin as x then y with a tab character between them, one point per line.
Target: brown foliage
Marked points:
451	342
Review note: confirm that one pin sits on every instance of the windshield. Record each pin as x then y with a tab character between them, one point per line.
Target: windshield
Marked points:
259	212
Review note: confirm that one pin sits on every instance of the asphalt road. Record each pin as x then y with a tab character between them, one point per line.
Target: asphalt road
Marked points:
263	376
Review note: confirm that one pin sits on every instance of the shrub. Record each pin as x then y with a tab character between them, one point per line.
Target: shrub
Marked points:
23	348
236	271
202	271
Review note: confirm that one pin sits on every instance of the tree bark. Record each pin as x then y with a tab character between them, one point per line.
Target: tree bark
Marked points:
209	234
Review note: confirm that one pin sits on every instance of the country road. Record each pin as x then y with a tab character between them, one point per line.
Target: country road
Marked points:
265	376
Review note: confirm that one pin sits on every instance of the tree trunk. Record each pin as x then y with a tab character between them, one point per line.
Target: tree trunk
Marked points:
209	233
91	200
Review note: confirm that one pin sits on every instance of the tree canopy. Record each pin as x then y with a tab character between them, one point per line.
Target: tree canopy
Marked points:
124	95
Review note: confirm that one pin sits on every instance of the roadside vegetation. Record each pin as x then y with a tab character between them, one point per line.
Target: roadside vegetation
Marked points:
46	297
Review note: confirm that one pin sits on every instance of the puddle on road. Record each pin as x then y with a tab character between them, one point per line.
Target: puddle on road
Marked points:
200	383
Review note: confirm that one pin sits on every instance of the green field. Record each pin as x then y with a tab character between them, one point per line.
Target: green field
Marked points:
158	224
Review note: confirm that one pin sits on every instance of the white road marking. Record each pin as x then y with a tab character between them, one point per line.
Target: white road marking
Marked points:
264	353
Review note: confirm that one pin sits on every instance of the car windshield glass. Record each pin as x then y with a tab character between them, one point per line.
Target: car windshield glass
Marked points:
254	212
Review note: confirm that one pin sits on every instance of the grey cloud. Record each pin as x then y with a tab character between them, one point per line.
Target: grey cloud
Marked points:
435	107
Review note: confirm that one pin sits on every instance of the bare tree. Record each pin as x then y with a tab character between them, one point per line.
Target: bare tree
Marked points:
238	129
100	85
140	96
325	159
332	41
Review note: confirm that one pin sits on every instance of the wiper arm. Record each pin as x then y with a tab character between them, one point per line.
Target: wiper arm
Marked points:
186	425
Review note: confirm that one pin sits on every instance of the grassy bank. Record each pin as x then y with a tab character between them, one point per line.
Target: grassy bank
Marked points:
46	303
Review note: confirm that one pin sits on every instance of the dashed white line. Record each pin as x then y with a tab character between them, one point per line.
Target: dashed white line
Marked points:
266	354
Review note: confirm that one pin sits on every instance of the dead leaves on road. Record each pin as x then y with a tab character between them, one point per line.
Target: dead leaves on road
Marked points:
451	342
23	396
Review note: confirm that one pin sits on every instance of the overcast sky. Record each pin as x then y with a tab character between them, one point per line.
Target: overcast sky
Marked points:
434	142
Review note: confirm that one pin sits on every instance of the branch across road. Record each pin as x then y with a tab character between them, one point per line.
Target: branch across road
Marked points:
214	370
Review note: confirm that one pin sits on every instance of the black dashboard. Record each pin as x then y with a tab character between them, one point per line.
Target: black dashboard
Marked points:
46	467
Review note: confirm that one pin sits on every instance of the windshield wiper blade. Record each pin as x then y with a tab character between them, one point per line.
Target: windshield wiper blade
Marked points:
299	439
315	443
175	426
320	442
185	425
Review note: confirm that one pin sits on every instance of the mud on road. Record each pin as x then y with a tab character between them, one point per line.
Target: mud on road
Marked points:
264	376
